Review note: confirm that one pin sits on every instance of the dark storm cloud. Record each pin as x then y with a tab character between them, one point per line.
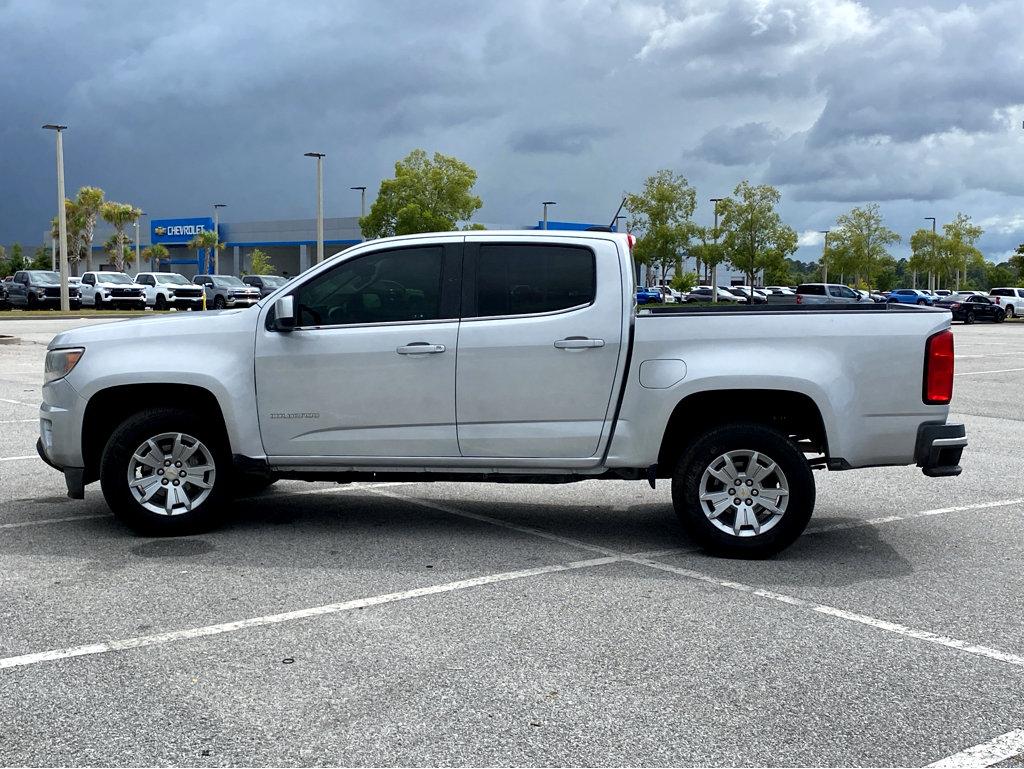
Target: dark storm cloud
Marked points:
738	145
567	140
838	102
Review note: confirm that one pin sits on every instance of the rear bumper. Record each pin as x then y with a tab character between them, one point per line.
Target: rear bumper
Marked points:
939	448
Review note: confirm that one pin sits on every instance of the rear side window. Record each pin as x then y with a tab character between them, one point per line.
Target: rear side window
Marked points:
811	288
1002	292
523	279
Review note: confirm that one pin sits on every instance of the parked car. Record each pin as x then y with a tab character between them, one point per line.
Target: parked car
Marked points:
223	291
972	307
703	294
267	284
745	293
4	304
173	416
780	291
39	289
944	292
828	293
165	290
1010	299
112	289
910	296
645	295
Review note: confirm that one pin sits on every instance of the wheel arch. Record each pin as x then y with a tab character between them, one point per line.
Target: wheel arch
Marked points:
793	413
107	408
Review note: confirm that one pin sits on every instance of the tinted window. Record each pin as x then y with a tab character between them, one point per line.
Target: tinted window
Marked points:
383	287
811	288
524	279
1001	292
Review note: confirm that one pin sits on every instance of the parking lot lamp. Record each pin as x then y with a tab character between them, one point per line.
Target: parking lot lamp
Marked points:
362	207
714	266
62	219
824	256
319	203
935	254
138	264
547	203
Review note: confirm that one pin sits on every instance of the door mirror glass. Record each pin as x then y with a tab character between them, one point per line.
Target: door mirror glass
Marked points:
284	313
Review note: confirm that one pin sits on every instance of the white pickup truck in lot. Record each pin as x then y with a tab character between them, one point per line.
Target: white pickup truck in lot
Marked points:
498	356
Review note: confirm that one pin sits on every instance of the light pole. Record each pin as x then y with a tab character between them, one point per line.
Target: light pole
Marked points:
362	207
714	266
931	280
216	231
62	218
319	203
824	256
547	203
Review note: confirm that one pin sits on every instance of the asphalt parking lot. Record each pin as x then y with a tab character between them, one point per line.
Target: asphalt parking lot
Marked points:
427	624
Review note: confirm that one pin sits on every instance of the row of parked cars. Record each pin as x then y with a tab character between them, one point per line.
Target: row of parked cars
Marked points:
968	306
40	289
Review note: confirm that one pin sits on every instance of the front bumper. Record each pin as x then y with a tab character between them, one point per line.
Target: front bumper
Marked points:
60	433
939	448
241	301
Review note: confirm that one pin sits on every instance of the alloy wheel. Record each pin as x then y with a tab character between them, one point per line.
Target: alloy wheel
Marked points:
744	493
171	473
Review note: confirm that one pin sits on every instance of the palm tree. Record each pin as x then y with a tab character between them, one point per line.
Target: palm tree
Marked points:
119	215
88	203
75	222
154	254
208	239
127	255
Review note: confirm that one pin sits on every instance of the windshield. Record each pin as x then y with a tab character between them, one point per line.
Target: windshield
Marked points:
957	298
112	277
228	280
44	277
173	279
273	281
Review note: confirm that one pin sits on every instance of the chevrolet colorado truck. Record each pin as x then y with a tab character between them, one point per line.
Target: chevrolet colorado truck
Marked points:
498	356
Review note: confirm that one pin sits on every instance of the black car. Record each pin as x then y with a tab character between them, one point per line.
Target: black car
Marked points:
38	289
972	307
267	284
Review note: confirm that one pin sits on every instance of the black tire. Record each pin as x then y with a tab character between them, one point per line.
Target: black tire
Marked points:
922	302
1010	311
219	303
969	317
741	436
999	316
117	454
32	302
97	303
76	306
161	302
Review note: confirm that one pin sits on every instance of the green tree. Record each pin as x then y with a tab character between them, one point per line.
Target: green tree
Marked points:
41	259
112	246
684	281
208	239
661	216
926	252
755	236
425	195
87	205
708	249
1016	262
155	253
259	263
997	275
16	261
859	244
119	216
960	253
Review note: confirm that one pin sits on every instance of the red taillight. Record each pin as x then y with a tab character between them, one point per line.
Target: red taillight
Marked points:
938	368
799	299
998	298
631	240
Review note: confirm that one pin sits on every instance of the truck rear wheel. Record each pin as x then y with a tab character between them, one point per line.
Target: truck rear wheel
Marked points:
164	472
743	491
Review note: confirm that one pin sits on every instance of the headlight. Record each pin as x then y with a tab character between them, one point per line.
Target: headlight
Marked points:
59	363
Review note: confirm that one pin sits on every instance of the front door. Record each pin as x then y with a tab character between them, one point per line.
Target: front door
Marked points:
370	371
539	347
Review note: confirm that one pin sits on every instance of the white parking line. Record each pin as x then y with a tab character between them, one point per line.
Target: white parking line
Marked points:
644	560
12	421
910	516
988	753
19	403
997	371
44	521
103	647
18	459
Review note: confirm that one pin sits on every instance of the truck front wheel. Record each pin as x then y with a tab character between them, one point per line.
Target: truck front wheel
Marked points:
164	472
743	491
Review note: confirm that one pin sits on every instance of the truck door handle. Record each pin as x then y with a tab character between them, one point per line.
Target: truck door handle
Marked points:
420	348
578	343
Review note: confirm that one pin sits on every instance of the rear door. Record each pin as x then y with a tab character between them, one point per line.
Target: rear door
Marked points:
539	346
17	293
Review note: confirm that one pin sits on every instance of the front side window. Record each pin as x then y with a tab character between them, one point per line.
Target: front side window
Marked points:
383	287
172	278
227	281
115	278
522	279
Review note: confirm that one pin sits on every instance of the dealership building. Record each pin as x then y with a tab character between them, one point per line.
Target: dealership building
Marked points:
289	243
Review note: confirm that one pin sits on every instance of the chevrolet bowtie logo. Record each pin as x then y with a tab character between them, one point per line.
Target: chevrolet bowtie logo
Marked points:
160	230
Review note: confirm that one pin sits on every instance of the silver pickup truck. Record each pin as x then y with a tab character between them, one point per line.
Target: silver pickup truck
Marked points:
498	356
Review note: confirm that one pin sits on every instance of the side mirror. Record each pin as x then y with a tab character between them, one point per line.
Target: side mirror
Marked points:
284	313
